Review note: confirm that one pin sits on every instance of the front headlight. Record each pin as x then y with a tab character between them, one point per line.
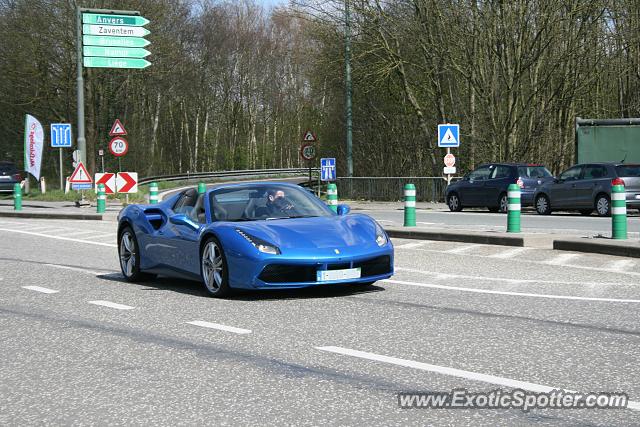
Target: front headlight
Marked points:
259	244
381	236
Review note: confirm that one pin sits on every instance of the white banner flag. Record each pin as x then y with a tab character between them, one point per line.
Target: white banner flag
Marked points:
33	143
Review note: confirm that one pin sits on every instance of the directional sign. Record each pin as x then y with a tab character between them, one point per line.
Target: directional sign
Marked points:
108	180
309	136
127	182
448	135
116	52
106	19
118	146
117	129
328	169
308	151
80	175
60	135
114	41
99	62
114	30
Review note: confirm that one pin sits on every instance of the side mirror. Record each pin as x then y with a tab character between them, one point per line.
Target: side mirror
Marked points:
182	219
343	210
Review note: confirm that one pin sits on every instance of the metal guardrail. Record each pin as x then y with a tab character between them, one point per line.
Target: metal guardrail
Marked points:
428	188
252	173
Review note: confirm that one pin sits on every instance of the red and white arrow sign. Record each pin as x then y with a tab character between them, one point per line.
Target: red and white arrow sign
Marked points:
80	175
127	182
117	129
108	180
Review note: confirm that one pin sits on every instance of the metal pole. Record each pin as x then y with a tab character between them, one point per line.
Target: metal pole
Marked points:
347	76
82	142
448	175
61	172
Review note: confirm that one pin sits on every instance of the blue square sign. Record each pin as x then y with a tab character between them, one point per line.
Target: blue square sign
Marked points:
448	135
60	135
328	169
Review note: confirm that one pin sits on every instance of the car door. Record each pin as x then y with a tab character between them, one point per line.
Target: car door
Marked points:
499	180
186	238
562	193
594	179
472	192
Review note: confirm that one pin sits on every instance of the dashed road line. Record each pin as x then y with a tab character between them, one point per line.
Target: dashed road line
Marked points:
621	264
69	239
461	249
459	373
41	289
111	305
510	253
562	259
82	270
412	245
220	327
517	294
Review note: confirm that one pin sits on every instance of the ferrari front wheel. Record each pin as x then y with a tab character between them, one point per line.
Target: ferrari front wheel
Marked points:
213	266
129	254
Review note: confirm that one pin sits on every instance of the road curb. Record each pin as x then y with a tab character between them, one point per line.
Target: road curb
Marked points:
454	236
599	246
52	215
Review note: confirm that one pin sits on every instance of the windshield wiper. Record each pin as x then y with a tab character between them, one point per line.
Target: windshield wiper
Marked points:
292	217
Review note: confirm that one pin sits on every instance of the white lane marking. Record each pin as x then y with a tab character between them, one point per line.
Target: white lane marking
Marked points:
99	236
82	270
219	327
579	267
41	289
621	264
517	294
384	220
504	279
111	245
461	249
79	233
510	253
460	373
412	245
112	305
562	259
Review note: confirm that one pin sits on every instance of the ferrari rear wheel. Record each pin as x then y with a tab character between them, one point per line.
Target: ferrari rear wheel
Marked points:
213	266
129	254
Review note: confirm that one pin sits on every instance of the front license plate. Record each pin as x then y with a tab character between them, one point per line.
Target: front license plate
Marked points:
327	275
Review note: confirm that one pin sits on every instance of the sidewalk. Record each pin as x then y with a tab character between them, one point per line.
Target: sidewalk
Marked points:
58	210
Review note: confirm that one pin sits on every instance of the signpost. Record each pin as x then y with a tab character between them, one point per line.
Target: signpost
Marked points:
61	137
117	129
107	39
80	178
328	169
449	136
308	150
118	146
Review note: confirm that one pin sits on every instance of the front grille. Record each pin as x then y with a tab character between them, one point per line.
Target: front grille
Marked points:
282	273
375	266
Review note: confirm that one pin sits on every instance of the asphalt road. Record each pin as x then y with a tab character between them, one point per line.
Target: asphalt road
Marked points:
80	346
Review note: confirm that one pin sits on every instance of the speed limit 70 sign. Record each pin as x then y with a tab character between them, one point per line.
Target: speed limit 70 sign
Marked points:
118	146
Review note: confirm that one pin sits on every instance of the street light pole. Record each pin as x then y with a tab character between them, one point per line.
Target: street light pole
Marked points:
347	73
82	142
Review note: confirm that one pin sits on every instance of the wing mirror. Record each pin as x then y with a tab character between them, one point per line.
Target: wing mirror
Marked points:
343	210
182	219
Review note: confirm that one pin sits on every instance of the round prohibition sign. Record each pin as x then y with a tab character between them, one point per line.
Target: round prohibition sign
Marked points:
308	151
118	146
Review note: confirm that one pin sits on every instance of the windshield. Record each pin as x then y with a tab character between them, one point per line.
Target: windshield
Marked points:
628	171
533	172
265	202
7	168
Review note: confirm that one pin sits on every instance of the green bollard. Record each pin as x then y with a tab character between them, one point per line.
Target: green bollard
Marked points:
409	205
513	211
102	199
17	197
332	196
202	188
153	193
618	212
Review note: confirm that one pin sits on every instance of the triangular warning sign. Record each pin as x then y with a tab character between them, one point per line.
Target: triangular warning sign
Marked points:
117	129
80	175
448	138
309	137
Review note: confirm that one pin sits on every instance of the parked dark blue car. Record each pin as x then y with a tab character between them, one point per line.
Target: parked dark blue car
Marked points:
9	175
487	186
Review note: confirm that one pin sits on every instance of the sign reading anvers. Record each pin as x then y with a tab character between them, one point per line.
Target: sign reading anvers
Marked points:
114	40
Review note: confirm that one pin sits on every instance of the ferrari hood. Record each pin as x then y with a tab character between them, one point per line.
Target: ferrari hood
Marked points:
315	233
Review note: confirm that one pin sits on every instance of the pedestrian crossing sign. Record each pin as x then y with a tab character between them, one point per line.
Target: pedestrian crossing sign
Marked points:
448	135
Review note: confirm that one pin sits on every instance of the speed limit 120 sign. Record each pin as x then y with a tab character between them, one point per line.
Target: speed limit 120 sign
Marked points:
118	146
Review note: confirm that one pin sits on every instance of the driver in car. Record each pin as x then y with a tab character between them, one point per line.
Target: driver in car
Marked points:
277	204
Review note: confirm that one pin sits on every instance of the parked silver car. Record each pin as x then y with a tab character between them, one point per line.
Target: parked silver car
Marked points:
587	187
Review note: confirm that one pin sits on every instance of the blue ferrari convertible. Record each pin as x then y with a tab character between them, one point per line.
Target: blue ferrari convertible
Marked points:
252	236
